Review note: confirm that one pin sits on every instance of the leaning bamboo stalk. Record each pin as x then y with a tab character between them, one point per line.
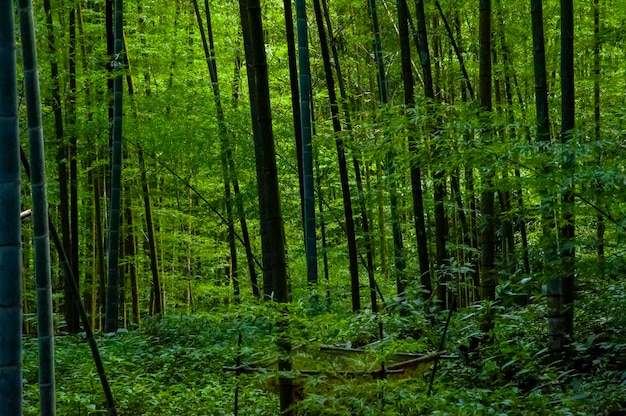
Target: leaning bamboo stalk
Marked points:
113	289
78	303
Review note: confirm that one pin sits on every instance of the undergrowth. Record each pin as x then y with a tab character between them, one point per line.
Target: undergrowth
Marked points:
174	365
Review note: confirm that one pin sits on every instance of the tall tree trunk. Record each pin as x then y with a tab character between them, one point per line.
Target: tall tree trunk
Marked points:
305	135
110	40
488	234
74	324
567	226
41	237
416	174
112	305
548	239
341	156
439	175
268	280
10	224
597	129
298	126
268	186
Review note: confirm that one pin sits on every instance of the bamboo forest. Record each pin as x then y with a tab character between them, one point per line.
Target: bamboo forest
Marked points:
312	207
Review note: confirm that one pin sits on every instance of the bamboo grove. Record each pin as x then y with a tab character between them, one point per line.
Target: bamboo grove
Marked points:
354	155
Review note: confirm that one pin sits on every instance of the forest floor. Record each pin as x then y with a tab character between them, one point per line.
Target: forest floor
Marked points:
174	365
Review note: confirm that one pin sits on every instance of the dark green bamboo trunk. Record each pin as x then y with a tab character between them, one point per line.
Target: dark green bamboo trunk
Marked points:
268	187
73	325
567	225
297	117
597	47
488	234
10	224
548	239
438	176
268	279
110	41
112	299
41	238
418	204
305	133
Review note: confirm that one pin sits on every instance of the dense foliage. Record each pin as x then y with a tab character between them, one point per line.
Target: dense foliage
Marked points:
190	215
174	365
